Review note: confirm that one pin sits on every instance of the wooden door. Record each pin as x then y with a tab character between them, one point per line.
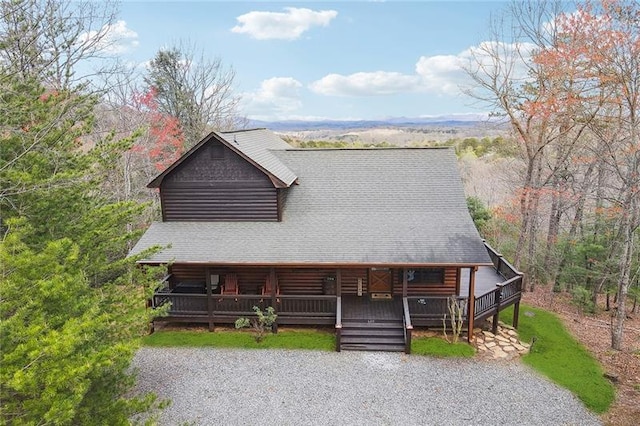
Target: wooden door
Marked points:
380	280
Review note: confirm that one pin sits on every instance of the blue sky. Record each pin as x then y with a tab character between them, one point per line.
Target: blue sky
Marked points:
318	60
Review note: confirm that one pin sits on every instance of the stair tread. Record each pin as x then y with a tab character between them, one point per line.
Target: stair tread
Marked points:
393	325
372	347
373	332
370	340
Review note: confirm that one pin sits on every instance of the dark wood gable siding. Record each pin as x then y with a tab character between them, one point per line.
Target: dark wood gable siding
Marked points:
216	184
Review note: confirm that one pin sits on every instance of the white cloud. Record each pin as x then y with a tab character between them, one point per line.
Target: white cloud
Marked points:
439	74
276	96
288	25
365	84
112	39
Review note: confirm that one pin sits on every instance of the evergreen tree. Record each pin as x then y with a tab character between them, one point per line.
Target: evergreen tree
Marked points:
66	346
72	306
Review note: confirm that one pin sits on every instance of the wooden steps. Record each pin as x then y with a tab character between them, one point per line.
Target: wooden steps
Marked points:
372	335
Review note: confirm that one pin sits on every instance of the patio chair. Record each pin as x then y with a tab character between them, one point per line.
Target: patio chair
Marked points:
230	285
267	288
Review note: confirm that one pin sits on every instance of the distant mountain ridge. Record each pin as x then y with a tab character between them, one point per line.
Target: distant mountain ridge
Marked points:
455	120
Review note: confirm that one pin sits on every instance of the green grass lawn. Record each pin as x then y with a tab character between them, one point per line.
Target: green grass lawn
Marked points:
284	339
438	347
557	355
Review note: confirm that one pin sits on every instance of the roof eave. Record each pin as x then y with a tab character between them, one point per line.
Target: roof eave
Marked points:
321	264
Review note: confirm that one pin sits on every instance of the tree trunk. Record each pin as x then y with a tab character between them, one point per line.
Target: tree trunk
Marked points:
551	257
630	221
577	221
617	330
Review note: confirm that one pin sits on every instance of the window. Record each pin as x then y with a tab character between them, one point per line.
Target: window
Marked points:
425	276
215	281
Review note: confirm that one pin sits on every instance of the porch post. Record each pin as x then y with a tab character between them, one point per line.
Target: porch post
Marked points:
209	300
472	302
274	299
338	282
404	282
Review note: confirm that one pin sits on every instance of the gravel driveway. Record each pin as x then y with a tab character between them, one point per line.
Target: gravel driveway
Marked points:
280	387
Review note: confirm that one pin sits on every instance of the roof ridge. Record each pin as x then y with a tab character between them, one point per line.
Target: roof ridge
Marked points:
372	148
243	130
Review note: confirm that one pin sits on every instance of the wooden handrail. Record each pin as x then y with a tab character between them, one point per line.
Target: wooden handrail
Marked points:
338	322
408	327
499	260
165	281
407	314
509	281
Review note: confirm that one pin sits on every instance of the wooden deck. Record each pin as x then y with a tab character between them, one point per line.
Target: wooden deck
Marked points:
363	308
487	277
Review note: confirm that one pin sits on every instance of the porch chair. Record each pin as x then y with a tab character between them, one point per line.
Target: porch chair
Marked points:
230	285
268	287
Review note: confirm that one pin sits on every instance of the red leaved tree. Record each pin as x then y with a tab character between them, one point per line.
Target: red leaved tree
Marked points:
165	141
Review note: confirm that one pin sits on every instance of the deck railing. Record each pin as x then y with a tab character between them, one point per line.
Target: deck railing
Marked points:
227	308
506	269
430	311
506	294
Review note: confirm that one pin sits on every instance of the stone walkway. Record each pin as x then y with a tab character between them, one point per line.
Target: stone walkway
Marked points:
504	345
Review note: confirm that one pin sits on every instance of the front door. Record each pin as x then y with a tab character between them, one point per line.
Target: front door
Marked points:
380	280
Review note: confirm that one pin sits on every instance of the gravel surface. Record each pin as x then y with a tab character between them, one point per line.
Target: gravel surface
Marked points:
279	387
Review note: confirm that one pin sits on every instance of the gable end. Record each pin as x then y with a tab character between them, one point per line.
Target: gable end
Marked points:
217	184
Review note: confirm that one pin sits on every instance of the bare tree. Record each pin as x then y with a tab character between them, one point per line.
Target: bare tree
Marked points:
576	110
198	91
537	101
47	40
54	55
606	35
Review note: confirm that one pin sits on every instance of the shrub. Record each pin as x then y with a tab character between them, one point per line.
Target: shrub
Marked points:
260	324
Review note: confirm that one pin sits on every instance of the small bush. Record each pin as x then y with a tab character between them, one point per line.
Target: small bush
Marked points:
581	297
264	321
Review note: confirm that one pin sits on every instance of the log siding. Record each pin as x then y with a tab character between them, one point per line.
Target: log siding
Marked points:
309	281
218	185
448	287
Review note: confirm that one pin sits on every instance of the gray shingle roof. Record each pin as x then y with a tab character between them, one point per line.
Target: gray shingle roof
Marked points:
385	206
256	145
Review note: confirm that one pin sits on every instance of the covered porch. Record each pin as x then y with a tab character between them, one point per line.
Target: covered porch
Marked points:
482	292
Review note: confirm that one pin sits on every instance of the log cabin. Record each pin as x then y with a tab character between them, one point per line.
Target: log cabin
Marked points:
373	242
